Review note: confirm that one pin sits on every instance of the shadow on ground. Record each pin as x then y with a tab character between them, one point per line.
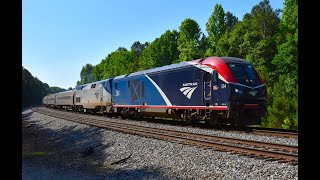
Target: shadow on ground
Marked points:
72	153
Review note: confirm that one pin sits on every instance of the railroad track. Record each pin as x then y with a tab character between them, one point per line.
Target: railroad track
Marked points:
247	129
280	152
274	132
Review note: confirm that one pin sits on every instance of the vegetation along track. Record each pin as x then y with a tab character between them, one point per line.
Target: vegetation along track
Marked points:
281	152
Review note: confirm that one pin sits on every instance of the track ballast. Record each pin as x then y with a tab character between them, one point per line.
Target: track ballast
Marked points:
280	152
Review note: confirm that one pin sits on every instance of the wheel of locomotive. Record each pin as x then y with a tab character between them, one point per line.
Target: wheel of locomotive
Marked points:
136	115
234	123
108	115
124	114
214	121
131	114
188	119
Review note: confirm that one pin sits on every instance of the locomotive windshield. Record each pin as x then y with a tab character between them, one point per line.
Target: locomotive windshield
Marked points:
245	74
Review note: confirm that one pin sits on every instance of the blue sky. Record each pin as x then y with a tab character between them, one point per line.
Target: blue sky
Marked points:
61	36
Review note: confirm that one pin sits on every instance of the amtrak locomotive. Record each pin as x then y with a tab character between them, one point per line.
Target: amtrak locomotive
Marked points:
214	89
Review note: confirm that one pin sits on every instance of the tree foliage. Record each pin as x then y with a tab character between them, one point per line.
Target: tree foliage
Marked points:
233	43
286	61
86	74
283	110
216	27
229	20
137	47
33	90
162	51
190	41
268	41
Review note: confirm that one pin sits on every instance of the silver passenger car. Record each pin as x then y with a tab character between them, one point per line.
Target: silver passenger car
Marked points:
64	100
44	100
51	100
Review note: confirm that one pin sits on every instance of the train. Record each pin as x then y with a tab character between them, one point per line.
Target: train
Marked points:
216	90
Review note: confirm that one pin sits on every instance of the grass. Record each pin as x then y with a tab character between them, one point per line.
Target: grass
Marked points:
105	166
34	154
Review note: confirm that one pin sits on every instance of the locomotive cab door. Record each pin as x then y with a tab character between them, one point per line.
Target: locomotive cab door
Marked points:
206	88
101	98
101	94
215	88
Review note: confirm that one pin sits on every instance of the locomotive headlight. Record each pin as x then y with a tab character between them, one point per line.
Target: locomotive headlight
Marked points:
238	91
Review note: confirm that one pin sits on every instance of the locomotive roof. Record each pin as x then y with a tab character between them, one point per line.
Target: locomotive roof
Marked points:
209	60
62	92
234	60
162	68
93	82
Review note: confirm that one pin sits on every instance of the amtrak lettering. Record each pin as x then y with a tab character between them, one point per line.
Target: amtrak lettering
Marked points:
190	84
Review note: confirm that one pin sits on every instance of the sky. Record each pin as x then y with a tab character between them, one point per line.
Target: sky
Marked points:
60	36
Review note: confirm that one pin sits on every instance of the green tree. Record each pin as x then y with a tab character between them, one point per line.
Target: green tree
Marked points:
263	20
233	43
189	41
283	111
98	70
229	20
215	27
162	51
119	62
55	89
286	61
33	90
260	39
137	47
86	74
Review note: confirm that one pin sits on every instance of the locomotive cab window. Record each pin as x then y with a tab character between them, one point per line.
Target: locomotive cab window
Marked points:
206	77
245	74
215	76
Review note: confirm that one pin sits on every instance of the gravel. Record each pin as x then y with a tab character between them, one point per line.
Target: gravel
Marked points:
234	134
123	156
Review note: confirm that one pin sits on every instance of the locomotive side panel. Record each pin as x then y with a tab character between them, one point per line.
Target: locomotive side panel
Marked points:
44	100
65	98
135	91
93	95
180	86
51	100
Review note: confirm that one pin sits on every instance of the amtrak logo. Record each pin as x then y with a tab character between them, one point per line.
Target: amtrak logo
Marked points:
253	93
187	91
